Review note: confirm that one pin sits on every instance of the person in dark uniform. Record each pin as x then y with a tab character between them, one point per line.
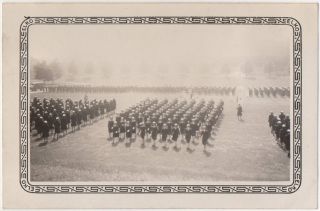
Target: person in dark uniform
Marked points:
283	131
122	128
115	132
128	132
274	125
188	133
270	119
287	141
148	127
79	119
169	124
84	115
142	131
193	130
110	127
50	123
164	134
278	129
73	121
175	134
154	133
287	122
239	112
133	126
282	116
57	128
182	126
45	131
205	137
91	110
64	125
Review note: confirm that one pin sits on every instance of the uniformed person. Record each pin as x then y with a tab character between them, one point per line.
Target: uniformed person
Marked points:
205	137
128	132
270	119
239	112
45	131
115	133
110	127
164	133
154	133
122	128
142	131
73	121
133	126
64	125
188	133
57	128
175	133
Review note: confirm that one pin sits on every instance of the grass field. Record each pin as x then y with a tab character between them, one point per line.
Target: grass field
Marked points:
240	150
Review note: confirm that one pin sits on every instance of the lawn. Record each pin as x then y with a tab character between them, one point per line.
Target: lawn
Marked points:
239	150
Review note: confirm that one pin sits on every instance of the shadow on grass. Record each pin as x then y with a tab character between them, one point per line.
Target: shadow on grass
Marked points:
177	149
195	143
165	148
154	147
38	139
114	144
128	144
210	145
208	154
142	146
43	144
190	150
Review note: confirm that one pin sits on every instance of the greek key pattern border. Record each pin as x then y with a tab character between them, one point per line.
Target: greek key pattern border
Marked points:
210	20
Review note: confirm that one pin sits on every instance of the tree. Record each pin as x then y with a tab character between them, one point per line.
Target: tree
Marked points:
47	72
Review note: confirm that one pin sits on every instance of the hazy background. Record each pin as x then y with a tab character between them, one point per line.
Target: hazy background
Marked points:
160	55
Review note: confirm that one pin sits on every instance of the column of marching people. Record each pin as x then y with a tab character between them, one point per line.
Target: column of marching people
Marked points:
166	122
55	116
280	128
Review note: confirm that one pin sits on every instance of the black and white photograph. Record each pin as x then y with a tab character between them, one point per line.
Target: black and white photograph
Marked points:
160	103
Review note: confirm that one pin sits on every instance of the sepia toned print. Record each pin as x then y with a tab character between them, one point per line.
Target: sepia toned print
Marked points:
207	102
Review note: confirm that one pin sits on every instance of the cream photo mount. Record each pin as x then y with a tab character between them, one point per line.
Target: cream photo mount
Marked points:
211	21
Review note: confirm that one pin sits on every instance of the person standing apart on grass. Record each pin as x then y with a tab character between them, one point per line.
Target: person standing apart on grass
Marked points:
57	128
175	134
46	130
239	112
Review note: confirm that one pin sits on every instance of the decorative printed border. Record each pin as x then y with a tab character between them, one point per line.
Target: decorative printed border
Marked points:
297	106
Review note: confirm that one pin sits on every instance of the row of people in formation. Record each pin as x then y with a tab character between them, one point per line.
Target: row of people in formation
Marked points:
166	121
56	116
280	128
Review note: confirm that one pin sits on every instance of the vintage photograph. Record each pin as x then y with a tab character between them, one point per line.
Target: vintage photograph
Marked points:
146	102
